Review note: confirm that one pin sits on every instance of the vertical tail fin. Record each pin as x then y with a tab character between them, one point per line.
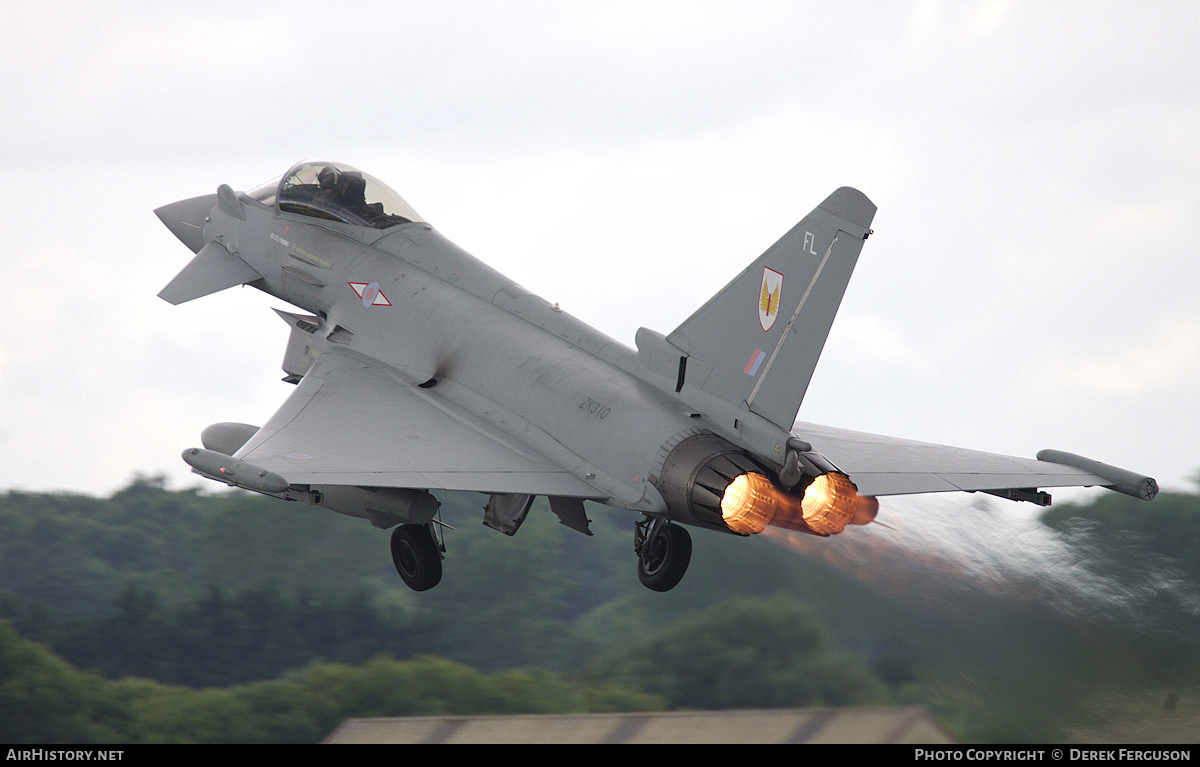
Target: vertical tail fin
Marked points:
759	339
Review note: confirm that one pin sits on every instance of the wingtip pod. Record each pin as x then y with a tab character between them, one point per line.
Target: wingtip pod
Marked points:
1123	480
231	471
852	205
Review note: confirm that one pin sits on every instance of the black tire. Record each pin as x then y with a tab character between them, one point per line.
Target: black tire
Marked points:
664	562
416	557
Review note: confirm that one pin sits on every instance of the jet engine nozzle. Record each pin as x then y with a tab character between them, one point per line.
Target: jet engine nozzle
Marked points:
695	474
827	505
711	483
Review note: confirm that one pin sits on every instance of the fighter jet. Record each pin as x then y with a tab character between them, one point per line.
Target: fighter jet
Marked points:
420	369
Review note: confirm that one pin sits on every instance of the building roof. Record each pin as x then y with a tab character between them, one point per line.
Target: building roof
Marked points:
808	725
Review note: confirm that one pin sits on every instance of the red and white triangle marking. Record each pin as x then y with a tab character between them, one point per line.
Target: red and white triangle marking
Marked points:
370	293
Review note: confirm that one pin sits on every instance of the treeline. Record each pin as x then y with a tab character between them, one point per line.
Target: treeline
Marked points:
159	615
45	700
219	639
1169	526
782	657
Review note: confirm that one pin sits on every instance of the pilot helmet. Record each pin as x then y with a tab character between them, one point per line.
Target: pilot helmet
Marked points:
327	178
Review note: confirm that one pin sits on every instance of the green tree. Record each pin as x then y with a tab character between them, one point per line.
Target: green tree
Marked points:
1168	526
44	700
744	653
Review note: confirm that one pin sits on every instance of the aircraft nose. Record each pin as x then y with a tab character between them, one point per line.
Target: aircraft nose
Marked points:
186	218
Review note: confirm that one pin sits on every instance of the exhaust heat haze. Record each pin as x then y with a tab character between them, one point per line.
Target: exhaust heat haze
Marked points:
944	550
751	502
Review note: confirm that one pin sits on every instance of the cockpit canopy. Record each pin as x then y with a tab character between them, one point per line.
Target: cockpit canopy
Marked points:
336	192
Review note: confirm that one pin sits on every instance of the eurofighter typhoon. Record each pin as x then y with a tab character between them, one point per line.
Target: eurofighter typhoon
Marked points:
420	369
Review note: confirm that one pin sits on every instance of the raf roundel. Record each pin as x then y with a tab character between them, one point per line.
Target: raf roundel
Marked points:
370	294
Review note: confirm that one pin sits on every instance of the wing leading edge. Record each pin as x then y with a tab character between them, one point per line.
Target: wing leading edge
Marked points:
881	465
349	423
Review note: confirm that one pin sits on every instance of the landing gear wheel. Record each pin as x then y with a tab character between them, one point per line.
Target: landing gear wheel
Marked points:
664	557
416	556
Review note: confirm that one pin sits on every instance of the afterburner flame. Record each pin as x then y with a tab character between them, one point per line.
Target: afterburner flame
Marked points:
751	502
831	502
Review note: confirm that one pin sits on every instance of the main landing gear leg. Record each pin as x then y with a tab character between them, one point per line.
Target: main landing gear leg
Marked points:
663	550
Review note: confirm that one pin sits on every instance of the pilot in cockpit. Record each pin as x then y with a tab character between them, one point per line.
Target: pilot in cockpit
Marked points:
339	193
352	190
351	195
345	191
326	183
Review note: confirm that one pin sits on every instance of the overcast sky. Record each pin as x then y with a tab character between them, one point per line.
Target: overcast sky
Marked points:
1032	281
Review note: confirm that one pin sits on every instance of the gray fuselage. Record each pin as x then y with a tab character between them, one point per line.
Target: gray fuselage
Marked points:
414	302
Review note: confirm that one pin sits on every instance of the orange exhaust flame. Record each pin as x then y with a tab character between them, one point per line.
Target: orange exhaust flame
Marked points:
751	502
